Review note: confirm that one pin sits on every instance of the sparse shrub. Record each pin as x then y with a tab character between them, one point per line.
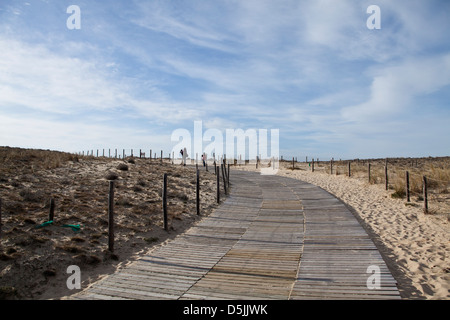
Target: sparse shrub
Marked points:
7	292
398	194
49	273
131	160
151	239
88	259
71	248
122	167
124	202
111	176
142	183
31	196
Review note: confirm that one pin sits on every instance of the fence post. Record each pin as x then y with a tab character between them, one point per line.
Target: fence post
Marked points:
198	192
224	179
368	171
349	172
386	175
228	175
407	187
225	169
111	217
312	168
51	214
161	156
164	202
218	182
425	195
331	166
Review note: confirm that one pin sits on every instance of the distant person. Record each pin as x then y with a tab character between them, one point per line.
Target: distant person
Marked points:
184	155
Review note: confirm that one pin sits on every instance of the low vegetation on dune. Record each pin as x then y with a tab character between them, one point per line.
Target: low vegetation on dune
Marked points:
35	254
435	169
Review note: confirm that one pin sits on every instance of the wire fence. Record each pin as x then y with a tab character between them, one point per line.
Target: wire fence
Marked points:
424	182
221	170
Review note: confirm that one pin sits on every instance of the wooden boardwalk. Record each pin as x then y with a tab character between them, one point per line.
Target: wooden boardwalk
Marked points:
273	238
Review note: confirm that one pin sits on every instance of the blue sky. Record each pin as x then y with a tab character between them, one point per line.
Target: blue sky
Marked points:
137	70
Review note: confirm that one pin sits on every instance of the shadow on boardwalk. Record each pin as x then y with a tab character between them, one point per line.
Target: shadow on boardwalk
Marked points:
273	238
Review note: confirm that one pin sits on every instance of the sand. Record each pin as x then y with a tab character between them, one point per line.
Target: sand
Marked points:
34	261
416	246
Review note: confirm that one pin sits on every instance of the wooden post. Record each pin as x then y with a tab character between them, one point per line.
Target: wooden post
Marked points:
140	153
225	170
292	163
111	217
218	183
425	195
97	153
386	175
407	187
331	166
161	155
368	171
150	154
228	175
51	214
164	202
312	168
198	193
349	174
132	153
224	179
123	157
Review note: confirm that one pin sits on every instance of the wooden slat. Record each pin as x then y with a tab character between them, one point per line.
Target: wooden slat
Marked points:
273	238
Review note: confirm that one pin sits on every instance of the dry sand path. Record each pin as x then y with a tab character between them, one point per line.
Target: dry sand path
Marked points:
273	238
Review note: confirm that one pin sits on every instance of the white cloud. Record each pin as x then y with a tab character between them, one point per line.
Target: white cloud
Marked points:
394	87
75	136
34	77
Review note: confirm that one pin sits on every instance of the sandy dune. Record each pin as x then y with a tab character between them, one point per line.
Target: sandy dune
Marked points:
34	261
416	246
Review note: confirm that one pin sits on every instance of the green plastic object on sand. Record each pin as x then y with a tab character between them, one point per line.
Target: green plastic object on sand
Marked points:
45	224
75	227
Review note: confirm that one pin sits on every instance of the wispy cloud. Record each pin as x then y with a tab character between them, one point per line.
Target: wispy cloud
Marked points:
309	68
